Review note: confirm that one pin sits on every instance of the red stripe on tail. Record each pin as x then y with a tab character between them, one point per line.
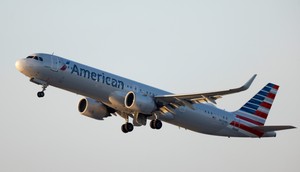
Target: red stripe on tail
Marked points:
261	114
276	87
246	128
266	105
271	96
249	120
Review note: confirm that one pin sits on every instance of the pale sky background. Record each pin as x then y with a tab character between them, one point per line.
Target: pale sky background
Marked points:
179	46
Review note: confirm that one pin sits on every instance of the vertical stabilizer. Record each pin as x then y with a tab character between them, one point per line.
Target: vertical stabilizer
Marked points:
256	110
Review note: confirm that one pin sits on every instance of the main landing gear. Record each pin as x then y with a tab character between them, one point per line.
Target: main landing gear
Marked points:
156	124
127	127
42	93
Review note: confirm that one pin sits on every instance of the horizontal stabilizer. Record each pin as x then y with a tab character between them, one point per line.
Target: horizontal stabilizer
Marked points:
272	128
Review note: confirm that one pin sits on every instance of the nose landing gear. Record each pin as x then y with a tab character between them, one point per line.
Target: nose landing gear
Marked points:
40	82
41	94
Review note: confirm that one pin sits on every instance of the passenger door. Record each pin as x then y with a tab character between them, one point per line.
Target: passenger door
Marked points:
54	63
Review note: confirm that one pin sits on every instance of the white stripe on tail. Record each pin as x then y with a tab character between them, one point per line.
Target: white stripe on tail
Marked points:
256	110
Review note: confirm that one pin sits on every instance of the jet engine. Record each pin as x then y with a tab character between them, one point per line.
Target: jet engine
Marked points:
93	108
139	103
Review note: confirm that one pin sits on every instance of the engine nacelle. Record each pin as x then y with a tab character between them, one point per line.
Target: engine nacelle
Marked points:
139	103
117	98
93	108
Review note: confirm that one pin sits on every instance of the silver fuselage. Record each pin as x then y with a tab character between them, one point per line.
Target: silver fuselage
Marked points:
100	85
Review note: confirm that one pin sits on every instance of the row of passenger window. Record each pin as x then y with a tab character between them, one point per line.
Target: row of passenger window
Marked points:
142	91
209	112
35	58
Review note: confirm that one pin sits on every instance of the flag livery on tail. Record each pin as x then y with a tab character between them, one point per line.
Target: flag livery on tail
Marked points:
255	111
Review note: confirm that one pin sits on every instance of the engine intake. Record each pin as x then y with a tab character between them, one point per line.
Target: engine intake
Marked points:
139	103
93	108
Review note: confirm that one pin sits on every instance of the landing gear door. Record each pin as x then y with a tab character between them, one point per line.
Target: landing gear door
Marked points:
54	63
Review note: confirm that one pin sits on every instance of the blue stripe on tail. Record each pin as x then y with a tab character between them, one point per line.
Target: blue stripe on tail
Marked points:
255	111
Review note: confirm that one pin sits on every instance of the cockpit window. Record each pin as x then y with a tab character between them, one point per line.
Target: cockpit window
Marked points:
35	58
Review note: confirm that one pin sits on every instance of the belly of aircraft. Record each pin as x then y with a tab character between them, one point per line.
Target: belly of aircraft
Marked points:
195	121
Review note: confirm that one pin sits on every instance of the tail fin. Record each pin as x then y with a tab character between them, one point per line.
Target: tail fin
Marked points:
256	110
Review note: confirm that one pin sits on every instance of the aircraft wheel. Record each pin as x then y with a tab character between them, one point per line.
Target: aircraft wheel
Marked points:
152	124
124	129
128	127
156	124
41	94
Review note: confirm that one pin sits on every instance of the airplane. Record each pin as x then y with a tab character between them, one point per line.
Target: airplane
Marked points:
106	94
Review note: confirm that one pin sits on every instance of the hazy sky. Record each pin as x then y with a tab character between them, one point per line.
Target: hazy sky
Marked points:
179	46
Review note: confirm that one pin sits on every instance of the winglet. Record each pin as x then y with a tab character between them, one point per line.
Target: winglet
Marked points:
242	88
248	84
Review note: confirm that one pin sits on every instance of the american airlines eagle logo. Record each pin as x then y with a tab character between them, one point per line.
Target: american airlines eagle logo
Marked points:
65	66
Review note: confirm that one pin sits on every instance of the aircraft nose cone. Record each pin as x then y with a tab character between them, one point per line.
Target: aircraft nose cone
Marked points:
19	65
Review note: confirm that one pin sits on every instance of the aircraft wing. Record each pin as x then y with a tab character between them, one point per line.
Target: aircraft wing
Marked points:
188	99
